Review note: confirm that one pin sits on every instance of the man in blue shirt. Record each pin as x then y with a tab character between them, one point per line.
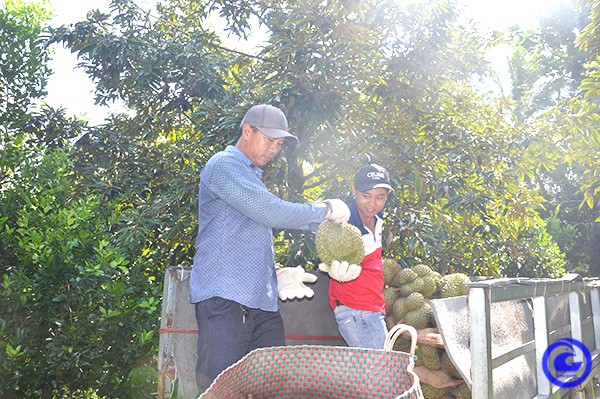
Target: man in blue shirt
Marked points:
234	283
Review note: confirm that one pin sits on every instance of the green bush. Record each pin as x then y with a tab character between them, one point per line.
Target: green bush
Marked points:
535	255
77	310
78	394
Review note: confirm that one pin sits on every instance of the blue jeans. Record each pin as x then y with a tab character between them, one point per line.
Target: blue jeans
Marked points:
361	328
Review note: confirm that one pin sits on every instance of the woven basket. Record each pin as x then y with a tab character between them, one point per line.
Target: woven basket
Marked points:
311	371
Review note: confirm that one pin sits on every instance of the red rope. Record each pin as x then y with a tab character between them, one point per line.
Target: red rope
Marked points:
290	336
171	330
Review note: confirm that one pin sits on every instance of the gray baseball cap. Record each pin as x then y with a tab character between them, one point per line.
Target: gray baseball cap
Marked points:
269	120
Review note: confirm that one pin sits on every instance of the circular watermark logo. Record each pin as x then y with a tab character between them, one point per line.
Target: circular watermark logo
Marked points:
568	370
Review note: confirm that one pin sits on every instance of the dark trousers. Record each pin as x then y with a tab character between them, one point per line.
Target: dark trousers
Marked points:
227	331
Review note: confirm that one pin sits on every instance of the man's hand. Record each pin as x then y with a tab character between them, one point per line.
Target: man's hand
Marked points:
290	281
341	271
337	211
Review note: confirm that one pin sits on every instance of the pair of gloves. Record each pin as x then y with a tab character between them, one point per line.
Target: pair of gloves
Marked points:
290	280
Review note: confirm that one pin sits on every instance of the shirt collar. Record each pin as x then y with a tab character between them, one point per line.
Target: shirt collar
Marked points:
237	153
357	221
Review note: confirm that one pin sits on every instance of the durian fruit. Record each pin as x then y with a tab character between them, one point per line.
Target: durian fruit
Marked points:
404	276
430	392
341	242
390	295
415	301
399	309
439	283
390	269
402	345
422	270
454	284
419	318
448	367
430	285
428	356
414	286
461	391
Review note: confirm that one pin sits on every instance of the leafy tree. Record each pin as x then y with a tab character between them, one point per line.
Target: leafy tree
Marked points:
23	69
71	302
356	80
23	73
585	150
77	309
548	68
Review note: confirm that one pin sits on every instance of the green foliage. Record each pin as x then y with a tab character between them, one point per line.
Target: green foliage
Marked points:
535	255
143	381
154	184
549	77
588	39
572	240
353	87
569	133
74	302
78	394
546	66
23	69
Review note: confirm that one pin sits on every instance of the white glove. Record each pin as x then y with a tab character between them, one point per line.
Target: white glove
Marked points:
341	271
338	211
290	281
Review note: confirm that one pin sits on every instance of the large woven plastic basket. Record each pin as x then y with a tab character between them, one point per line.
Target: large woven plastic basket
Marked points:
313	371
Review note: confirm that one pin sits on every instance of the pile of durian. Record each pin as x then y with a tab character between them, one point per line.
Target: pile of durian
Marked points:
407	294
408	290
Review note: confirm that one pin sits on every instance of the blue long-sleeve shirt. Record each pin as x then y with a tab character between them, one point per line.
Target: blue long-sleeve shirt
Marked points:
234	248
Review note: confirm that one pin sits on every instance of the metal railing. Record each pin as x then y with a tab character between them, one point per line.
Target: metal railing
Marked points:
482	294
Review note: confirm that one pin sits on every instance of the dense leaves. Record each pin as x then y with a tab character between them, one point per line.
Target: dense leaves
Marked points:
585	151
548	68
23	69
73	301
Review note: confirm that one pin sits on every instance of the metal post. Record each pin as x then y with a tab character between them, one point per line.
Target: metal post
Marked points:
540	325
595	299
576	331
481	343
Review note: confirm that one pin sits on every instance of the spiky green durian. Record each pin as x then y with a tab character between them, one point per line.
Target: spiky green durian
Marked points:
428	356
390	296
461	391
415	301
429	285
402	345
399	309
404	276
390	269
454	284
340	242
422	270
420	318
439	283
448	367
414	286
430	392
